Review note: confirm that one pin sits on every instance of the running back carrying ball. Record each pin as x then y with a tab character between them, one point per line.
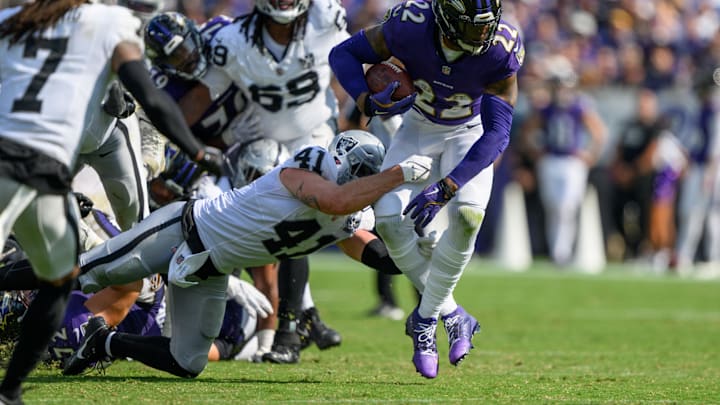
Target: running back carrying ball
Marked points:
382	74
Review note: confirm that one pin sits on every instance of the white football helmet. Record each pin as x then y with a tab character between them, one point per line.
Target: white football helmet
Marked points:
357	154
282	11
254	158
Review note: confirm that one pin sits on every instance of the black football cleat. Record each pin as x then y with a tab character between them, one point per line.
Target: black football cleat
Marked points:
312	329
87	354
285	350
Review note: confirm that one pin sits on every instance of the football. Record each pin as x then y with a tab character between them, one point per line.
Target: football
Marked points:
378	76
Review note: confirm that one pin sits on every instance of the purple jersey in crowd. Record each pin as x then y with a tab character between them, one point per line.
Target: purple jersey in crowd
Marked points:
221	112
448	93
562	127
141	320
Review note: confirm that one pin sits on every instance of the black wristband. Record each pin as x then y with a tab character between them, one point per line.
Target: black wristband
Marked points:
447	192
368	107
376	256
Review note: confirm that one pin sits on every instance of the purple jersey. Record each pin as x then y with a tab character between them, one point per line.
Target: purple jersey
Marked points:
562	127
449	93
232	327
141	320
222	110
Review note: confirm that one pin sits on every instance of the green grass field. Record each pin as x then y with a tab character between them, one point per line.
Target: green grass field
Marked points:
548	337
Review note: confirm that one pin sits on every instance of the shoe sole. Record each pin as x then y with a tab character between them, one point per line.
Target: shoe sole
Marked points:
274	361
328	346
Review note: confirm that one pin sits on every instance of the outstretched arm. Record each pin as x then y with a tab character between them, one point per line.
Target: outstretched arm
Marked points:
158	105
330	198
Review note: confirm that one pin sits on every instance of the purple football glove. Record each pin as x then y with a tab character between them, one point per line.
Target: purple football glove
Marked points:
382	104
426	205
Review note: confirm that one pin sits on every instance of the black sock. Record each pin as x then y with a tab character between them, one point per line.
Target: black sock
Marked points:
293	274
41	321
153	351
384	288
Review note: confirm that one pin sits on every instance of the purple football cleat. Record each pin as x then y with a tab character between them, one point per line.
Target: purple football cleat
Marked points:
422	332
460	327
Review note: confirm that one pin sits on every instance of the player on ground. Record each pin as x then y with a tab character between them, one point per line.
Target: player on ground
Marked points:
178	67
305	204
143	313
279	53
57	57
463	60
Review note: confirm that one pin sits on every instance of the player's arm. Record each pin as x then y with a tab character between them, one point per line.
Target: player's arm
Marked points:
195	103
368	249
331	198
368	46
158	105
113	303
496	112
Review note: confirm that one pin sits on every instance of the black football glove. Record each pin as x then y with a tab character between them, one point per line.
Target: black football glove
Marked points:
213	161
118	103
84	203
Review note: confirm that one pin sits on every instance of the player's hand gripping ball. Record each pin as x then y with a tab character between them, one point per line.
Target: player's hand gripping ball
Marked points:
380	75
391	90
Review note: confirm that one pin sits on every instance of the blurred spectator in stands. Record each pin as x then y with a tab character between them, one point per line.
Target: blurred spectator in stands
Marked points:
202	10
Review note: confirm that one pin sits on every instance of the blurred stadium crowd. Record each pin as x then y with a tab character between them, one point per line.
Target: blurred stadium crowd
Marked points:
620	57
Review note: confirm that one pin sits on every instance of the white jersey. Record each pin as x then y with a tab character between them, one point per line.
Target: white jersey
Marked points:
276	225
293	94
53	86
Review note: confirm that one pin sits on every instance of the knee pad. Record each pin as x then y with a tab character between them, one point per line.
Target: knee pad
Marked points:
468	217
